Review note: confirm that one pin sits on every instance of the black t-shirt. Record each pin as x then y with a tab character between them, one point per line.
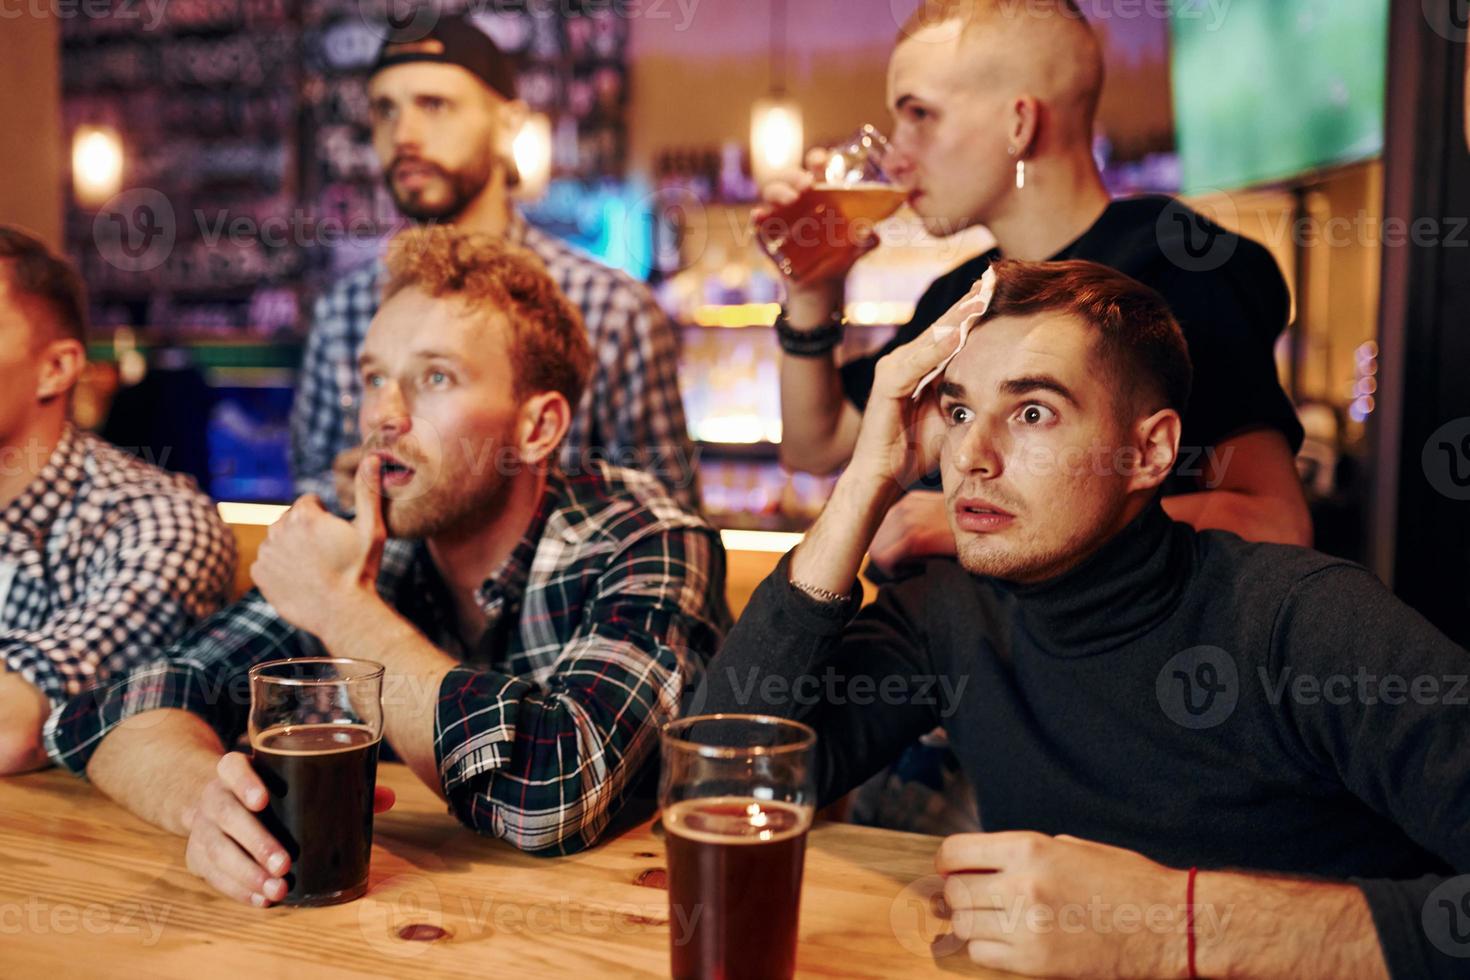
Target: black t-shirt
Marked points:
1226	292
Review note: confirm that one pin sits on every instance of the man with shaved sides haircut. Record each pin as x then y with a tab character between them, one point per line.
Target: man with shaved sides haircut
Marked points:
1196	756
993	107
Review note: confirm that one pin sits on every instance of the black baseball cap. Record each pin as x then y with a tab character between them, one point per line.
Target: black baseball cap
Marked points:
451	39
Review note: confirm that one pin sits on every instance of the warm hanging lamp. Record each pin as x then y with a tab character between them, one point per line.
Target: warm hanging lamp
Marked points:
776	137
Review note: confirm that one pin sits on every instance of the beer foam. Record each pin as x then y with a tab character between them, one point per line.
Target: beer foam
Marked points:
742	820
327	739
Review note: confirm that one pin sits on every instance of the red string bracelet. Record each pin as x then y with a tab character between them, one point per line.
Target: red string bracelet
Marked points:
1189	923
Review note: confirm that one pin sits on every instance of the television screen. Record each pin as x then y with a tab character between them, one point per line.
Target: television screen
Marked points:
1265	90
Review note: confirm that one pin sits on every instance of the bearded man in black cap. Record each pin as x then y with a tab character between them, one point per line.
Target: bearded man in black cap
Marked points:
445	115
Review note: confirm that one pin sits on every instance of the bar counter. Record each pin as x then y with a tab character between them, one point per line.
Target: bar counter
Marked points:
88	890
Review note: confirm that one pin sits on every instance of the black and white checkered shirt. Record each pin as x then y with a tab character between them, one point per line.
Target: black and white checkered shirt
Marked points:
631	414
107	560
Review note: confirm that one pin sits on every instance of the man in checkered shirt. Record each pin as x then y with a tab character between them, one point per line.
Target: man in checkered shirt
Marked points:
102	557
536	628
444	113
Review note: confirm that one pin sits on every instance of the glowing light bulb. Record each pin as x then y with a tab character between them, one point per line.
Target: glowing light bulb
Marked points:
532	149
776	137
96	164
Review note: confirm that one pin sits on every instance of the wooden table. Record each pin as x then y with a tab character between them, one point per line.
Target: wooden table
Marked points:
86	889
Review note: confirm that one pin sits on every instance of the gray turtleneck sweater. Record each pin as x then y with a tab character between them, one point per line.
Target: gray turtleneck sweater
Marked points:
1190	696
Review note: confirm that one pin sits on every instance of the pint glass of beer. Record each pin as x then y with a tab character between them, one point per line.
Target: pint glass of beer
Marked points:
737	793
315	727
821	232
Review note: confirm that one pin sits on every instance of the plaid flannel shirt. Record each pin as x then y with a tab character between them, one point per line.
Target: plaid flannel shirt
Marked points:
107	558
602	617
631	414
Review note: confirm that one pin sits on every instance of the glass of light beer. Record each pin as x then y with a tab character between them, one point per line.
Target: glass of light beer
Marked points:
821	232
315	727
737	794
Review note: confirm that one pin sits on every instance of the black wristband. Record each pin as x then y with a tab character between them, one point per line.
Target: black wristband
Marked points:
810	343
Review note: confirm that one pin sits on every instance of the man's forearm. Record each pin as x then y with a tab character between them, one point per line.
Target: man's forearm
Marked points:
1253	517
156	764
413	669
1265	928
831	554
818	425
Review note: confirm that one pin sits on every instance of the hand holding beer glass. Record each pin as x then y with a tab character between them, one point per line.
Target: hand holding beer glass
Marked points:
736	794
819	227
315	729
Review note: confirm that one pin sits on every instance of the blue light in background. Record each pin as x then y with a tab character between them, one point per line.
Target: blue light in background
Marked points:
611	221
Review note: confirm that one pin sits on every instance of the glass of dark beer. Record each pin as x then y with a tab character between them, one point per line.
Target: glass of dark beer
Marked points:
315	728
737	794
822	230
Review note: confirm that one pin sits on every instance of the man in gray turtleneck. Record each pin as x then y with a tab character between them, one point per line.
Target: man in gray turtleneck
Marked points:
1159	699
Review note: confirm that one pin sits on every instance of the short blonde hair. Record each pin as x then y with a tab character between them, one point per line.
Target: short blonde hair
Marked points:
1052	37
971	13
548	342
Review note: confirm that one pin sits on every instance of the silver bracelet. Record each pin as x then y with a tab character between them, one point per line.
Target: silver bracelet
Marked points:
825	596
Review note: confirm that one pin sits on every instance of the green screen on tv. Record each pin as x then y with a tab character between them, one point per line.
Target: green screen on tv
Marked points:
1265	90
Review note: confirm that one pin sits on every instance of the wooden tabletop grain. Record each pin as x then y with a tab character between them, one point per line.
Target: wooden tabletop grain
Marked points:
88	890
